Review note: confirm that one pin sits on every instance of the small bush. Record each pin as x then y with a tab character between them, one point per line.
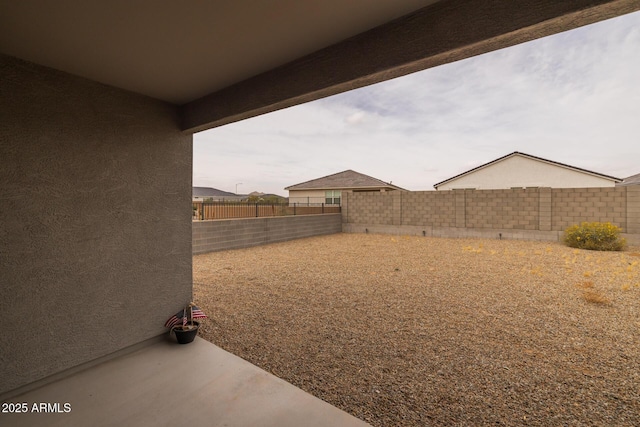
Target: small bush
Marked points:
595	297
585	285
596	236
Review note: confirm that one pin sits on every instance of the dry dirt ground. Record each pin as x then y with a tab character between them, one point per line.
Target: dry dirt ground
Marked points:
414	331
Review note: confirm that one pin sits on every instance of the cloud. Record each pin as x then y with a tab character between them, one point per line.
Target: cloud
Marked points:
572	98
355	118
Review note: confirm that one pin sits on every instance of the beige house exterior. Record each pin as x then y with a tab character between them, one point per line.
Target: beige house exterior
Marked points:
328	189
520	170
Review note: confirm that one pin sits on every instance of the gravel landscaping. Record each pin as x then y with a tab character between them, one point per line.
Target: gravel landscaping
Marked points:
415	331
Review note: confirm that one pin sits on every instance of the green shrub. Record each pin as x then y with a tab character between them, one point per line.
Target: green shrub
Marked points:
596	236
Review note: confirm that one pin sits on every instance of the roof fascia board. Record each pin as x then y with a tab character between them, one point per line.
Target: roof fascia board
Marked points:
378	183
573	168
528	156
477	168
444	32
344	188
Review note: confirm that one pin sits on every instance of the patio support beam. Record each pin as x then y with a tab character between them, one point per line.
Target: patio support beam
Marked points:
444	32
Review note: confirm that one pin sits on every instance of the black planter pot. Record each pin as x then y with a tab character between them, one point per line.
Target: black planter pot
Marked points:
186	336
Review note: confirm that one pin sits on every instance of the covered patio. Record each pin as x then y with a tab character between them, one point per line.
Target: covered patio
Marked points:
98	105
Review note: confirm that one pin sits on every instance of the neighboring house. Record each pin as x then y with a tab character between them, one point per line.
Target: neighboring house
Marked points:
631	180
213	194
328	189
520	170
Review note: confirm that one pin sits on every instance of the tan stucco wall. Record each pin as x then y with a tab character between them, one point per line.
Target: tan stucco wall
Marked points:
95	220
306	196
524	172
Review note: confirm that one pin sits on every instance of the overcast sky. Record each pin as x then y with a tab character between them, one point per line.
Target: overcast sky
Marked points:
573	98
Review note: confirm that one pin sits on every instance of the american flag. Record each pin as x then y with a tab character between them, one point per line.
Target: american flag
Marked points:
180	317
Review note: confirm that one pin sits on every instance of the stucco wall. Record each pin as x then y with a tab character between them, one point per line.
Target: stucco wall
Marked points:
306	196
95	220
525	172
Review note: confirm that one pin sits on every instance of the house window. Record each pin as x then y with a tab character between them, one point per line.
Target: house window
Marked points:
332	197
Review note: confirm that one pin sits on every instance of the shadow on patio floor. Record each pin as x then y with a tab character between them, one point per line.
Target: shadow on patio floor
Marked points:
169	384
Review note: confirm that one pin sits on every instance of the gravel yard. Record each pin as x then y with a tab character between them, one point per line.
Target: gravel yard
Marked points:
414	331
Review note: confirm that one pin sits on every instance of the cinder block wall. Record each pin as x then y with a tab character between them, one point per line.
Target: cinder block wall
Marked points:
533	213
437	209
500	209
372	208
219	235
574	205
633	210
95	221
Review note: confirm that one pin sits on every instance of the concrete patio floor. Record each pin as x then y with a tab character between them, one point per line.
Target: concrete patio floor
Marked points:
167	384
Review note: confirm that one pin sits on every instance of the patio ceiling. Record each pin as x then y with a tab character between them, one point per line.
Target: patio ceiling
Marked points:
180	51
226	61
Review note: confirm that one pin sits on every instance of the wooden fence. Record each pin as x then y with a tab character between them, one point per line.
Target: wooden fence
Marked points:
217	210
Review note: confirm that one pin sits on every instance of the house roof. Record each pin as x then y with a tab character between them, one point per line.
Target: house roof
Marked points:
344	180
631	180
211	192
529	156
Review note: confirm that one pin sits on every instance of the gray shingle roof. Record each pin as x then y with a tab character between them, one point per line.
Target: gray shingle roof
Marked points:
348	179
210	192
631	180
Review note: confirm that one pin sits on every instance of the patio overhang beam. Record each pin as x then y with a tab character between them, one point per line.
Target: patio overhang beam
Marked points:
444	32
